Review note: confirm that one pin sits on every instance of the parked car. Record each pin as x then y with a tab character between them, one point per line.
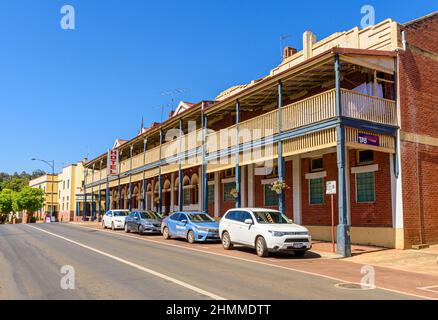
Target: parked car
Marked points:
193	226
114	219
143	222
265	230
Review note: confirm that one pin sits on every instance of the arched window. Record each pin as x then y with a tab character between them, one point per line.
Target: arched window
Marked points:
186	191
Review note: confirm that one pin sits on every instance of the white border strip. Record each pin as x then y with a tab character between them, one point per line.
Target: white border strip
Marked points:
316	175
365	169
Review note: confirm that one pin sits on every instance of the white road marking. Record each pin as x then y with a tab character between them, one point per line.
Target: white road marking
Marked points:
134	265
429	288
246	260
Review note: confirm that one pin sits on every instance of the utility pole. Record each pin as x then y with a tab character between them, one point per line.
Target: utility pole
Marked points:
51	164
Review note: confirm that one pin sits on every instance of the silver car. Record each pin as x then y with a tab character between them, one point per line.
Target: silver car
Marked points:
143	222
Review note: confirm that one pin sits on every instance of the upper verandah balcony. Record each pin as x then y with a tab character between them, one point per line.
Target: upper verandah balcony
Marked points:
308	92
308	98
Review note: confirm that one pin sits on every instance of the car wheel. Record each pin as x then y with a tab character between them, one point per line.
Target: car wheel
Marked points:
126	228
112	226
299	253
140	230
191	236
166	234
226	241
261	248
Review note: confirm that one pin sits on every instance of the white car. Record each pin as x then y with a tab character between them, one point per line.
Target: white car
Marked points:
115	219
265	230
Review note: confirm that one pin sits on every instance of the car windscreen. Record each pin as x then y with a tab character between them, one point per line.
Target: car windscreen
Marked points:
120	213
200	217
149	215
267	217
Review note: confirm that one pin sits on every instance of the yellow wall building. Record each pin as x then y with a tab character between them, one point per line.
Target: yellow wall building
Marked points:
70	189
49	184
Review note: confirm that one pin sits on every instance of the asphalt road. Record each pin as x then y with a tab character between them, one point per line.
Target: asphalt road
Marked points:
111	266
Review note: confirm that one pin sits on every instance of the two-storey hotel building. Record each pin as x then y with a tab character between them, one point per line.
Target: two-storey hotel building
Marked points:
358	108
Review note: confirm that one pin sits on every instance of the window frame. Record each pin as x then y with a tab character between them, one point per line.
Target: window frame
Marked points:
374	187
266	185
212	186
312	160
232	173
310	192
364	163
231	199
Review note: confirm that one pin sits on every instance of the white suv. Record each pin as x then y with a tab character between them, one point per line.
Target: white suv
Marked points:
266	230
115	219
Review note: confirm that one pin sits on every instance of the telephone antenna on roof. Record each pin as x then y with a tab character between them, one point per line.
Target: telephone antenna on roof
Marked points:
172	94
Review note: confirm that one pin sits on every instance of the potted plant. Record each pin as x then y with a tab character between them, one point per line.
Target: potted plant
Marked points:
278	186
234	193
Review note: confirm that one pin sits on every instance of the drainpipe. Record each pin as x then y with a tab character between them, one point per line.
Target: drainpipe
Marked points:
281	197
180	175
145	141
204	162
237	168
404	42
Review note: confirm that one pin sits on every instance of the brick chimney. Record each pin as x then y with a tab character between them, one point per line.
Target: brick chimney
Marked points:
288	52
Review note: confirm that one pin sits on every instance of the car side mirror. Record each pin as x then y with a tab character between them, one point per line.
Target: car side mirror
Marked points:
184	221
291	221
248	221
136	218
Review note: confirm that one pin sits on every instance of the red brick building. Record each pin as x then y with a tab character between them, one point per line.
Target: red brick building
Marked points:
418	75
358	108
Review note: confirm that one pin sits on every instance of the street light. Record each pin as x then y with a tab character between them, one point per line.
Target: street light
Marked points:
51	164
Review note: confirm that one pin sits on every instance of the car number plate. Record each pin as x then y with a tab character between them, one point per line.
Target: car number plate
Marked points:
298	245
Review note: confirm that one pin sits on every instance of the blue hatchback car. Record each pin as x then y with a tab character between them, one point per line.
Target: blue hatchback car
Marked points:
193	226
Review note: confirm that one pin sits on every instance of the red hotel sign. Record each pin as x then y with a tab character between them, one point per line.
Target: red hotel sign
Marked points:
113	162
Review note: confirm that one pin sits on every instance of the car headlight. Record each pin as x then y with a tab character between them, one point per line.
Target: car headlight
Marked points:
276	233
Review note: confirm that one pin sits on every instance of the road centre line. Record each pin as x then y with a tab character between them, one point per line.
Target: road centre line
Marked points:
136	266
247	260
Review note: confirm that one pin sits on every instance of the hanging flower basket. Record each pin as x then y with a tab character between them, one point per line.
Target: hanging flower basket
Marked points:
278	186
234	193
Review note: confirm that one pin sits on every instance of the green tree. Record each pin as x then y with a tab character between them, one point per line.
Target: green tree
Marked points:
15	183
8	203
29	199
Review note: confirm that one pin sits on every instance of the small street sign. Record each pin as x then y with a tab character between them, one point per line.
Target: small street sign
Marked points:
331	187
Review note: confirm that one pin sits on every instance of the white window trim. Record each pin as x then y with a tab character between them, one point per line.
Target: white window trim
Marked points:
211	183
365	169
316	175
268	181
228	180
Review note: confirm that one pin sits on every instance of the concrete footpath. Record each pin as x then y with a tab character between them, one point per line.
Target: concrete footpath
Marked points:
412	272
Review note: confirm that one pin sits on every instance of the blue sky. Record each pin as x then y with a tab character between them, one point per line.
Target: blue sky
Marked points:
65	94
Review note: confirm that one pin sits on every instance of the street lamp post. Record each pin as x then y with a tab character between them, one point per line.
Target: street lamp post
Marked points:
51	164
